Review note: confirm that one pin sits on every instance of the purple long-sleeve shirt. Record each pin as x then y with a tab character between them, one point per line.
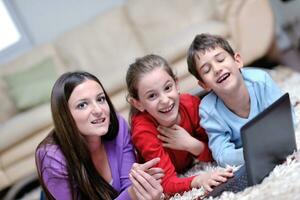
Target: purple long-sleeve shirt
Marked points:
120	154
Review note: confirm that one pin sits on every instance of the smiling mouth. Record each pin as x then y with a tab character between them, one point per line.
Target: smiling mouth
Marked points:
167	109
98	121
223	77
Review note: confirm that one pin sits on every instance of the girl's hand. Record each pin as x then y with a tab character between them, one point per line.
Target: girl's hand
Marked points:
146	180
212	179
178	138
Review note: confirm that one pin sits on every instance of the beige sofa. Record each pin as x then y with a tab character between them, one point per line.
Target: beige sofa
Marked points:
105	46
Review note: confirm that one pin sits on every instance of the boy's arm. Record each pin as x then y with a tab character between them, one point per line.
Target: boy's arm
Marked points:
273	92
223	150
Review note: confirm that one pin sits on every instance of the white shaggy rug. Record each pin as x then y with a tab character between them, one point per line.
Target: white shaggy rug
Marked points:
284	181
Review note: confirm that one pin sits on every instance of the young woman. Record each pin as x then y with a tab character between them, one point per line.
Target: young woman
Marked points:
88	154
165	124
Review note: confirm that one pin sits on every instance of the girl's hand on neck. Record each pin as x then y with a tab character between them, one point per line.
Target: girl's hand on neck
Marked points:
178	138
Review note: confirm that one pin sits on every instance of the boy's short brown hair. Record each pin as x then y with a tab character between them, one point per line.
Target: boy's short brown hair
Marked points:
202	43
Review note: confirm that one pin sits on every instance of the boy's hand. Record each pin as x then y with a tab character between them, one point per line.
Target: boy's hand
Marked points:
178	138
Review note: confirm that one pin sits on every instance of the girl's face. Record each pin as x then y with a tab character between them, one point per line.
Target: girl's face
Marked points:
90	109
158	95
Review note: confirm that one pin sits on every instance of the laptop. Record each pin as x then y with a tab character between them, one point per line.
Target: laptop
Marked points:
267	140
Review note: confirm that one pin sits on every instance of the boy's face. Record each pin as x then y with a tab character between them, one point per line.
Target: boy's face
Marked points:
219	71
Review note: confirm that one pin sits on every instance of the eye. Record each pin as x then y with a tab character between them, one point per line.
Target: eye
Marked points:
82	105
205	69
220	58
168	87
101	99
151	96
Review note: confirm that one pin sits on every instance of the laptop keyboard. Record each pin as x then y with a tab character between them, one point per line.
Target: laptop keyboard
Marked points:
235	184
238	184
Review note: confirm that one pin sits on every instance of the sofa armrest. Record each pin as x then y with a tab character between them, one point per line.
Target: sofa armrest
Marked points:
252	27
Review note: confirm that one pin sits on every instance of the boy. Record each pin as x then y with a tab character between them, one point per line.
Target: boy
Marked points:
237	95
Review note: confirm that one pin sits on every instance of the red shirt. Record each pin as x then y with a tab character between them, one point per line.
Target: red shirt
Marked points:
144	136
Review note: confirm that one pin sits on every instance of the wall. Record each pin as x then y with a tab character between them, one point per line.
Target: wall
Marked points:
44	20
287	11
287	17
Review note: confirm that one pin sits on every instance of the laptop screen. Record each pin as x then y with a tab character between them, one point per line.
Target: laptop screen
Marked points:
268	139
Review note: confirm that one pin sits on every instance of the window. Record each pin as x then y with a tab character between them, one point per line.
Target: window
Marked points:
13	39
9	32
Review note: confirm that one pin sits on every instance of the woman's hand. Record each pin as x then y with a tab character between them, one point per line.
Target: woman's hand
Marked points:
145	186
212	179
178	138
155	172
146	180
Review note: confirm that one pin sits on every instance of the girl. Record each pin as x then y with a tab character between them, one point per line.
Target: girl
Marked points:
88	154
165	124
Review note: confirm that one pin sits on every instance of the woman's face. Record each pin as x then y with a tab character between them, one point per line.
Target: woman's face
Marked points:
90	109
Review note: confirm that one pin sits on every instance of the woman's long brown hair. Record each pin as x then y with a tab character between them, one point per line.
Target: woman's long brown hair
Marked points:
85	181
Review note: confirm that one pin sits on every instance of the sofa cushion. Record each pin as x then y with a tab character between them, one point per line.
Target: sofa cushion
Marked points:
4	182
105	47
156	21
175	46
22	63
32	86
227	8
7	108
23	149
23	125
20	170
